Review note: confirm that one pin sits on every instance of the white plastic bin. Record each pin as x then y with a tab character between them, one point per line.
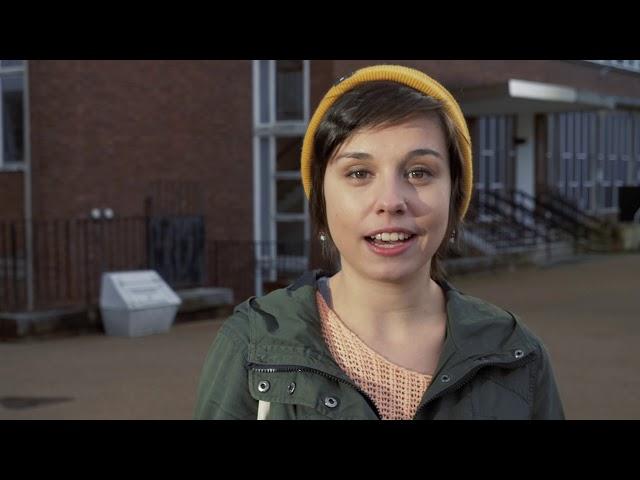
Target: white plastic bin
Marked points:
137	303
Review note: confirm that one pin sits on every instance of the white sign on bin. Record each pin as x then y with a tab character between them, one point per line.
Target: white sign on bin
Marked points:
137	303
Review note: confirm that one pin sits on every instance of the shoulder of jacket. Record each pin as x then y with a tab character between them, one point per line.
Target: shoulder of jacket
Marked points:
474	312
237	325
533	338
264	313
479	307
476	315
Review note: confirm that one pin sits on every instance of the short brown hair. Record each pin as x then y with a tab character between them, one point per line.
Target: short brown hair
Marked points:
369	105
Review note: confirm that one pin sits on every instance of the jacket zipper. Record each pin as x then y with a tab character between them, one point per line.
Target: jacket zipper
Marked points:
296	368
471	373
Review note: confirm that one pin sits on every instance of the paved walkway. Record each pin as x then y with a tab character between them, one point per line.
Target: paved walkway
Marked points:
588	314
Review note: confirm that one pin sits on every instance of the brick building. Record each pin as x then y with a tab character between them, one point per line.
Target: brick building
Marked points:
89	148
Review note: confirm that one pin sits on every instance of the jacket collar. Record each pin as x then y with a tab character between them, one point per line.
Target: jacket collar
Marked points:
285	330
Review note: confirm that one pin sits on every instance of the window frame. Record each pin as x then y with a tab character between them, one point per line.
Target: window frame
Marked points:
266	219
5	72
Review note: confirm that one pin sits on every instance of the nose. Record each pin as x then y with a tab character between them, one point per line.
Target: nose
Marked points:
391	198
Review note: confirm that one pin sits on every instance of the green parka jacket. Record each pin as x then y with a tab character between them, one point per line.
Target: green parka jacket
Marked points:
271	350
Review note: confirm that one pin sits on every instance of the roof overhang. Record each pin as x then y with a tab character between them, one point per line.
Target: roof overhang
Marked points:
523	96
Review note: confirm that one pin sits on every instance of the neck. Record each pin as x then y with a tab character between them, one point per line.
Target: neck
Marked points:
377	308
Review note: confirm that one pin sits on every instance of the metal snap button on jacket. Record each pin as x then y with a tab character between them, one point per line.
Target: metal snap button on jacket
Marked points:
331	402
518	353
291	387
264	386
445	378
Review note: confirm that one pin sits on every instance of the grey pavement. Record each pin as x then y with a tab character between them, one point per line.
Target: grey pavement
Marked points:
100	377
586	312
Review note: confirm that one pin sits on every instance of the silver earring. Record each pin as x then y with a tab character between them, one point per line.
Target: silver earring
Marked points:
322	237
453	237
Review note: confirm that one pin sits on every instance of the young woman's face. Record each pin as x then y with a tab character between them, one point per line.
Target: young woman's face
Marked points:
389	179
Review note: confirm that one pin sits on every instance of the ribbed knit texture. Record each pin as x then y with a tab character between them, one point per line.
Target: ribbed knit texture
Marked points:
395	390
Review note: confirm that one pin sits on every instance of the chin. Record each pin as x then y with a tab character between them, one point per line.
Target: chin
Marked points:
394	272
389	269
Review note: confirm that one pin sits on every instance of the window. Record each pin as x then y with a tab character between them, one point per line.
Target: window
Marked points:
281	112
290	212
11	113
289	90
494	155
591	154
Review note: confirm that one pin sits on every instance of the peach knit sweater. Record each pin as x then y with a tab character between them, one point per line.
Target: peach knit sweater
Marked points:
395	390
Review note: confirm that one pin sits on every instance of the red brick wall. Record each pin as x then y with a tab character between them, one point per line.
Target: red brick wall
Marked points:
104	133
11	196
322	77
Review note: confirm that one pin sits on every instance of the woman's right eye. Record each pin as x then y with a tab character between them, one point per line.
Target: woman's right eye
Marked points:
358	174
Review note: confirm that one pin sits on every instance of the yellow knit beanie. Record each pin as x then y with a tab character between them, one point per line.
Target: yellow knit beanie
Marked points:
411	78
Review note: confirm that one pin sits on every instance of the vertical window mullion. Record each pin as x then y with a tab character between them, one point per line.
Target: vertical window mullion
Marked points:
602	157
636	136
591	163
583	173
492	155
306	89
481	138
551	157
577	152
562	174
502	157
629	149
272	92
610	162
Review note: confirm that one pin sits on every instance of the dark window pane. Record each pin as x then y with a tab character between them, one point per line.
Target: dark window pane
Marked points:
264	91
12	109
288	153
289	90
266	184
290	238
608	197
292	257
290	196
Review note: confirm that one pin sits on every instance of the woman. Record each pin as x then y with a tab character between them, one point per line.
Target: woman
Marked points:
386	165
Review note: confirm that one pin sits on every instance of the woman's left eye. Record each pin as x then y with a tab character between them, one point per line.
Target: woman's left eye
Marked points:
419	174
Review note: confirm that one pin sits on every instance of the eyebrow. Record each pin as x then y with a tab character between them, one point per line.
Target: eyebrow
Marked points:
420	152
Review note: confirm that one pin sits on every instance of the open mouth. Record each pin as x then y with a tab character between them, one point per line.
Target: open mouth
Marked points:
389	243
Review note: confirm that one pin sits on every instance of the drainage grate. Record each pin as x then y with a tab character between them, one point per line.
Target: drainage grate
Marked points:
21	403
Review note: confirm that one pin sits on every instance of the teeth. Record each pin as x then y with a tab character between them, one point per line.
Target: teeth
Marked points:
390	237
